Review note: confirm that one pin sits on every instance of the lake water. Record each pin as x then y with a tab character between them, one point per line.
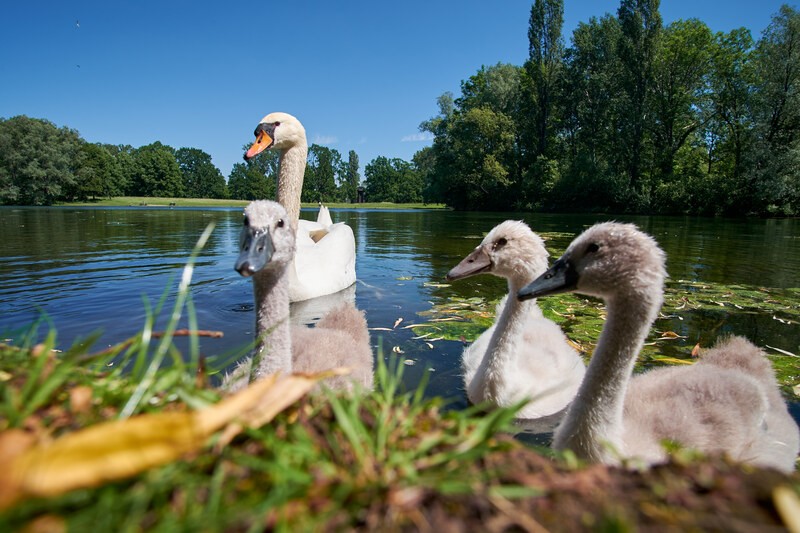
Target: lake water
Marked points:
92	269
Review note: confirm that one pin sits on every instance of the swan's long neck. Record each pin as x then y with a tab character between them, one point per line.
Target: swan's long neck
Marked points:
593	424
273	341
290	179
509	324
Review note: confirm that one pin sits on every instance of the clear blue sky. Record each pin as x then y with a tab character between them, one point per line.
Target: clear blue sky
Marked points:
360	75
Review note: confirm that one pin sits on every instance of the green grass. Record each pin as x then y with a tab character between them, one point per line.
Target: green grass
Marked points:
141	201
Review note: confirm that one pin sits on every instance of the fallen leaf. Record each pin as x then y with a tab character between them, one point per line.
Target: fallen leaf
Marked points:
788	505
14	442
121	448
80	399
48	523
398	350
397	322
673	360
784	352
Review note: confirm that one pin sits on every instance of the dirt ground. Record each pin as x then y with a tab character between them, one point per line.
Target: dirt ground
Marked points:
706	495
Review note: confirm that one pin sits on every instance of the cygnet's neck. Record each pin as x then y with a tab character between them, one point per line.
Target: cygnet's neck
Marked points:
290	179
273	339
512	320
593	425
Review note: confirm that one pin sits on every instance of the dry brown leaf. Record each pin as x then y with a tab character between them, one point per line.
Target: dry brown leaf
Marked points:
48	523
696	350
14	442
788	505
80	399
283	393
575	346
122	448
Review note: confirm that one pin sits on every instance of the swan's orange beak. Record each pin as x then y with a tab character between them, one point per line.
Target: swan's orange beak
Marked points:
263	141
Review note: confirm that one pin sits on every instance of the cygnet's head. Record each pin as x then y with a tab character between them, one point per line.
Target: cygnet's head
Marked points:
267	240
608	260
511	250
276	131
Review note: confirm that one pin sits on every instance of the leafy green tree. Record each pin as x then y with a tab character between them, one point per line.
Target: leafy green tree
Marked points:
730	123
545	69
640	22
590	100
464	128
201	179
496	87
319	184
438	124
348	190
380	182
776	108
680	70
156	172
123	157
99	173
392	180
255	179
37	161
474	162
424	161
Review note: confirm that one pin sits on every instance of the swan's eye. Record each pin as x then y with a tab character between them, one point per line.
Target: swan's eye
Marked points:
277	124
280	223
499	243
594	247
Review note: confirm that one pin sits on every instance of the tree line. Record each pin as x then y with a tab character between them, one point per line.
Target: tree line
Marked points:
41	164
633	116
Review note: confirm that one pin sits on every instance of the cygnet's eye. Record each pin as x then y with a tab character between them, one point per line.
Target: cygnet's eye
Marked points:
499	243
592	248
279	224
246	221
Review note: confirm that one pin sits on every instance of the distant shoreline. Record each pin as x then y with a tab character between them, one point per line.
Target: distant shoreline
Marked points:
141	201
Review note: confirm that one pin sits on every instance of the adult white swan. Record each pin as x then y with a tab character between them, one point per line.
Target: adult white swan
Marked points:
325	261
728	402
523	355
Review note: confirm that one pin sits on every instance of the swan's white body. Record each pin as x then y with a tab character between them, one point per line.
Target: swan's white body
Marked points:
325	260
523	355
339	339
728	402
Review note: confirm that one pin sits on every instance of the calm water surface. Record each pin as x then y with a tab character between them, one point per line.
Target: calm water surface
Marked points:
94	269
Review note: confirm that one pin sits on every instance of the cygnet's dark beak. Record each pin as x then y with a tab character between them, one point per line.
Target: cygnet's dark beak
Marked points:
475	263
255	251
559	278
